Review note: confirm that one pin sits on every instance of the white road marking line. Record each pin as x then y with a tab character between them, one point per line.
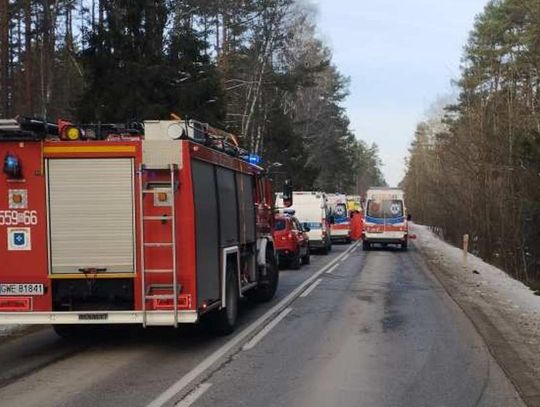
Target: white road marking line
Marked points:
345	257
234	342
194	395
310	289
257	338
335	266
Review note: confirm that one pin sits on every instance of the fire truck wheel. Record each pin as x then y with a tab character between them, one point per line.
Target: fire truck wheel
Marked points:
266	290
366	245
223	321
404	246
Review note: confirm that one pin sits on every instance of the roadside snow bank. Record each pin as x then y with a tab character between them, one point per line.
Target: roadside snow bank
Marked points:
492	281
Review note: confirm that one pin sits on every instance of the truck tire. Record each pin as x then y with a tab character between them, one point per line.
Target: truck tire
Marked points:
404	246
325	250
266	289
366	245
223	321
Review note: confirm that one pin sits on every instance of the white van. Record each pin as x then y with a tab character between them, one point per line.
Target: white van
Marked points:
311	209
385	219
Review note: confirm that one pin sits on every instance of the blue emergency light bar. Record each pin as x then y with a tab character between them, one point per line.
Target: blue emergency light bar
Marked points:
12	166
253	159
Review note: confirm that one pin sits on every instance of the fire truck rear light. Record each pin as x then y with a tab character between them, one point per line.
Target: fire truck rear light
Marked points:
165	304
162	197
15	304
17	198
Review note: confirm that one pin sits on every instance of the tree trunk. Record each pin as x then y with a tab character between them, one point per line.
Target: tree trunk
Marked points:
4	58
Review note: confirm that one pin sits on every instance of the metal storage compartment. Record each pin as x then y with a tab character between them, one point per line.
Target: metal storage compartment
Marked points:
91	215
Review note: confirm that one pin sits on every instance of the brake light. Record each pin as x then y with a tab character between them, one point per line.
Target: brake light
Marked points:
164	304
15	304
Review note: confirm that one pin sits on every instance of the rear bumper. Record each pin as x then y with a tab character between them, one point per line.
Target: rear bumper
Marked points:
285	254
164	318
317	244
377	238
340	234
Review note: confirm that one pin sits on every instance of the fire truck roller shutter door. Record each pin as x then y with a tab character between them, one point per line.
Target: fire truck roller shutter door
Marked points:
228	208
91	219
246	208
206	231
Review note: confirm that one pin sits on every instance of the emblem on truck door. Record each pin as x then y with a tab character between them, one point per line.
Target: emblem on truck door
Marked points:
19	239
18	198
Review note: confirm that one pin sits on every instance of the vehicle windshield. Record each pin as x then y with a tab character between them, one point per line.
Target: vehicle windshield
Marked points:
281	224
340	213
385	208
314	225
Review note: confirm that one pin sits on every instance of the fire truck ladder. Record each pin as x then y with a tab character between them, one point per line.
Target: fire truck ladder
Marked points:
146	291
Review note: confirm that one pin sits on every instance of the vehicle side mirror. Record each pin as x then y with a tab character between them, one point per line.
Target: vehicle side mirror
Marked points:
287	193
409	216
306	227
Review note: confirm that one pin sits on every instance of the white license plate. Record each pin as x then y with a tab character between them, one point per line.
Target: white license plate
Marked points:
22	289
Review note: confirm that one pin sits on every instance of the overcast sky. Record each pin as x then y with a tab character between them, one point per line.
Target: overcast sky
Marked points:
400	55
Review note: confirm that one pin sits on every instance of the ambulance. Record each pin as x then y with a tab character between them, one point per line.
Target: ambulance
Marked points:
385	219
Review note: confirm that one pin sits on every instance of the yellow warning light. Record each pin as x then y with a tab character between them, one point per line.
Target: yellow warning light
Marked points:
73	133
162	196
17	198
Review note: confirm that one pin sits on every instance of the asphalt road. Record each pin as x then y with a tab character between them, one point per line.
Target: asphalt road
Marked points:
372	329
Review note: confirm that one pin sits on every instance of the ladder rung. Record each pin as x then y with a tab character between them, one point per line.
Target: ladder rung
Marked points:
160	297
157	217
165	167
156	271
158	244
157	191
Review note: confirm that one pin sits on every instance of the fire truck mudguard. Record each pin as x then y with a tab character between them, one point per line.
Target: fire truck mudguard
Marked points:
114	226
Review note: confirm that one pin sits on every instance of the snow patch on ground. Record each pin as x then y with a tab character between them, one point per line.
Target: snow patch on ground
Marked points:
489	282
8	330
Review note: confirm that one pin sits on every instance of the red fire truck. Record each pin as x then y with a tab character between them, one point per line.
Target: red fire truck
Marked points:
158	225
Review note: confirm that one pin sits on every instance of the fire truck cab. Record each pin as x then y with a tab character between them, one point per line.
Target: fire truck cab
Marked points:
116	226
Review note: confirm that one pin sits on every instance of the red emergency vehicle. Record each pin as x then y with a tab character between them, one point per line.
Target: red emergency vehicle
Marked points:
105	225
291	241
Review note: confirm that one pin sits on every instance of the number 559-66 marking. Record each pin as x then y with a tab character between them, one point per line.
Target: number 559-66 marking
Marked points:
15	218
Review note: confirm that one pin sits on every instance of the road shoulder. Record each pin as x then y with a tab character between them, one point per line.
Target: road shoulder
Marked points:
510	328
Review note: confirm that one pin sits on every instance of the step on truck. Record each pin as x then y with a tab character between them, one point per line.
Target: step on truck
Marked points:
163	224
385	219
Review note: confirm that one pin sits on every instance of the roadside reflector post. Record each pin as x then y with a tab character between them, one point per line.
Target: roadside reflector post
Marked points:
465	250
